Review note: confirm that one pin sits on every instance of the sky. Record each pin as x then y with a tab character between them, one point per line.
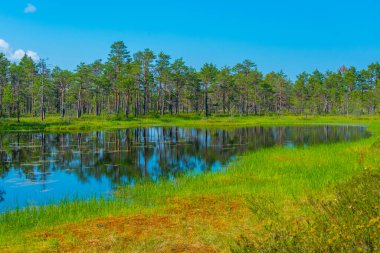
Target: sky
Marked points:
292	36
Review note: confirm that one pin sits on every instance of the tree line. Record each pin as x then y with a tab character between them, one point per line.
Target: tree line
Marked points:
146	83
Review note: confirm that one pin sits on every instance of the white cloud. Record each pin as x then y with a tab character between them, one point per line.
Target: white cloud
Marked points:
16	55
4	46
30	8
32	55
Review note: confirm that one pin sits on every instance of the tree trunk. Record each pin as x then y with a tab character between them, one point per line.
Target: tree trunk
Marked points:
177	99
162	109
127	103
240	105
160	99
246	106
171	103
18	111
137	105
108	105
43	100
117	102
62	103
224	102
206	100
34	111
145	106
1	101
79	105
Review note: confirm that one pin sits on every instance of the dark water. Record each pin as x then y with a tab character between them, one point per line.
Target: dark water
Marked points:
37	168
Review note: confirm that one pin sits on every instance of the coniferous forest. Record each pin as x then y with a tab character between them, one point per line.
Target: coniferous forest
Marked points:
148	83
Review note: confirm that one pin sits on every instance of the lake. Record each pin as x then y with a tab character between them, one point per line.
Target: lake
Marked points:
41	168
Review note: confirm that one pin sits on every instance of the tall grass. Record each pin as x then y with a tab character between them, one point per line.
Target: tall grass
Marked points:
350	222
65	211
276	183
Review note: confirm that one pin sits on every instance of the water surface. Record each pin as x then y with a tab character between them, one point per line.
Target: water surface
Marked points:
40	168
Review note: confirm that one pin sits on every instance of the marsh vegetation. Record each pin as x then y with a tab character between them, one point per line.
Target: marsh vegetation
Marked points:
301	198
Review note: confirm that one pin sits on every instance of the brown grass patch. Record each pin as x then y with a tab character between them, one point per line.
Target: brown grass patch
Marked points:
184	225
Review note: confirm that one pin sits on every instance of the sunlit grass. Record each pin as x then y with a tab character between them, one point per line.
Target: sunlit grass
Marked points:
349	222
211	210
55	123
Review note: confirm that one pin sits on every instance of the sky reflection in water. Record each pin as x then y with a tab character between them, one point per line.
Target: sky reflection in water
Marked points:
39	168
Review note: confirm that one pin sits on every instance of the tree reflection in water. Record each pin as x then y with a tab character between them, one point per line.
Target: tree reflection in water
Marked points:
2	193
130	155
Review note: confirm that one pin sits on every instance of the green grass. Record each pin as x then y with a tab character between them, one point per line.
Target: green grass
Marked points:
285	173
271	186
350	222
55	123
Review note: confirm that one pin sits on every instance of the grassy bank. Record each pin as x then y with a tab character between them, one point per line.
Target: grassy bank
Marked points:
92	123
263	201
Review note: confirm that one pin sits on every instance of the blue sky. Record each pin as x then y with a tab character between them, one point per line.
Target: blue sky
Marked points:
278	35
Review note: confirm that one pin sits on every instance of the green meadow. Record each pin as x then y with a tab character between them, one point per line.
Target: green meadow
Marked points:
322	198
93	123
